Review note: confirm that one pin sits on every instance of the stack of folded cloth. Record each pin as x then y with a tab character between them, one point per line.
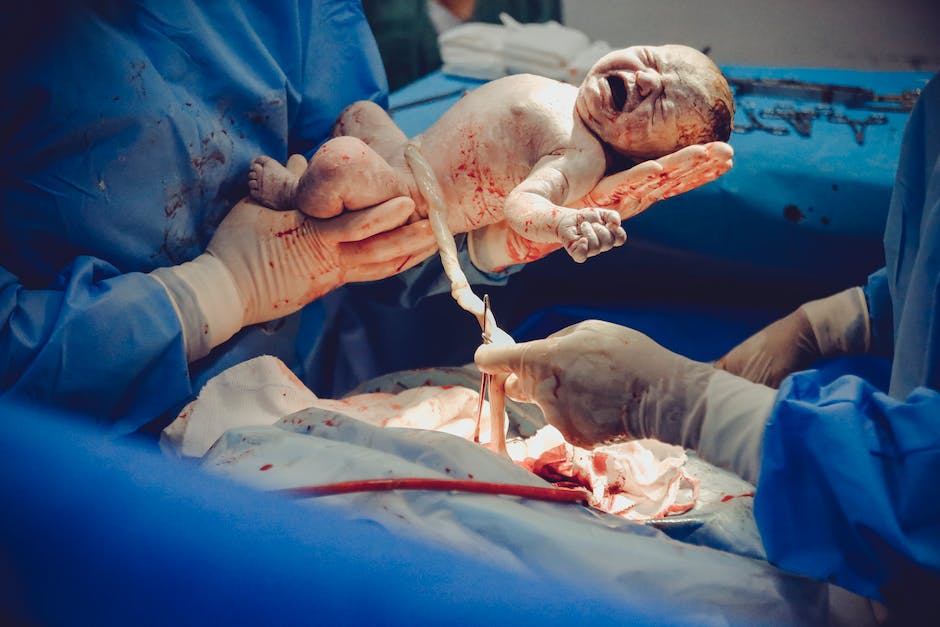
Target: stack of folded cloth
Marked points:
488	51
474	50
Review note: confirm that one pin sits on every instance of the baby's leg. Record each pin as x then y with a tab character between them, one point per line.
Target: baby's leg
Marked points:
372	124
345	174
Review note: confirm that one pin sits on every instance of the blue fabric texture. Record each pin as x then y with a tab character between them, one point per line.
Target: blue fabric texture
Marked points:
114	533
912	250
128	142
848	471
878	299
845	491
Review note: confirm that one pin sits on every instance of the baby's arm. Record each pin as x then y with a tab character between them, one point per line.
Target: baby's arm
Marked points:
534	209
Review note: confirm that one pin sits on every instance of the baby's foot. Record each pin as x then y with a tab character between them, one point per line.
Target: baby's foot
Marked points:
271	184
588	232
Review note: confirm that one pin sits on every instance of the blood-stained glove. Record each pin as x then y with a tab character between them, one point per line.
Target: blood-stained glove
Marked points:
497	246
829	327
597	382
263	264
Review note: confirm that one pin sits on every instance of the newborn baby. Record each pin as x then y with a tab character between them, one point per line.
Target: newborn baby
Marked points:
520	148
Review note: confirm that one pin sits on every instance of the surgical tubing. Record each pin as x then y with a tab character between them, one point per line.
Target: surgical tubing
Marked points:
563	495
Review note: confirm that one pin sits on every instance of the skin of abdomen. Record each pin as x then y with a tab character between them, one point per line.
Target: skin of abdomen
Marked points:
489	141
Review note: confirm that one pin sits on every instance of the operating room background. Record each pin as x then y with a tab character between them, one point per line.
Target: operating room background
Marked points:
755	267
849	34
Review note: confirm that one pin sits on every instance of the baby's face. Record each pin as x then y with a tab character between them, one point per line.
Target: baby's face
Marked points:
645	101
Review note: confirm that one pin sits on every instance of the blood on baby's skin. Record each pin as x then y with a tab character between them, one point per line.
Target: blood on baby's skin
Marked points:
728	497
403	263
266	467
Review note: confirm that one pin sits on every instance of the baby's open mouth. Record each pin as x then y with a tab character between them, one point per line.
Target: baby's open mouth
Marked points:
618	91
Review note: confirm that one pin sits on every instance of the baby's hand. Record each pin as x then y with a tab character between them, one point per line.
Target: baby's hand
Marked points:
588	232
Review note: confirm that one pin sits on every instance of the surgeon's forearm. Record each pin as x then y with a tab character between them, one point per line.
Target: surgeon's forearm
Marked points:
736	414
100	344
206	301
840	323
880	314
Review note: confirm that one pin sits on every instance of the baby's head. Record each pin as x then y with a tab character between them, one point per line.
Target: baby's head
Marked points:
649	101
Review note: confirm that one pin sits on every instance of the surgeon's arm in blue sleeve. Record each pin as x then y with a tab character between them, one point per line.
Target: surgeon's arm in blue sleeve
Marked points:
98	342
880	314
847	487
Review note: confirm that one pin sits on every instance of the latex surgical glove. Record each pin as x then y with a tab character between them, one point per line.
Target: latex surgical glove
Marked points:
598	382
496	247
263	264
830	327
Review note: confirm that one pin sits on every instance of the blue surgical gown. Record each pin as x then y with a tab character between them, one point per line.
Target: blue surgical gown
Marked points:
127	132
847	487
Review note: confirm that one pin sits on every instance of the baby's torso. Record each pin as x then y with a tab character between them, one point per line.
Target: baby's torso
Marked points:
489	141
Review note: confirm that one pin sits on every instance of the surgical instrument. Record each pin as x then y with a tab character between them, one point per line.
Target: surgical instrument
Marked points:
848	96
484	377
757	125
857	125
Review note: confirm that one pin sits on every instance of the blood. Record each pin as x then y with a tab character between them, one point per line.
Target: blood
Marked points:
266	467
792	213
728	497
403	263
289	231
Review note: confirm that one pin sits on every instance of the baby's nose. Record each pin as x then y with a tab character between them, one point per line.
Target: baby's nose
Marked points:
647	82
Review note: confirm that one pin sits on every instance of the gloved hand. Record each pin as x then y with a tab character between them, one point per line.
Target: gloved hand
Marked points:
597	381
495	247
830	327
263	264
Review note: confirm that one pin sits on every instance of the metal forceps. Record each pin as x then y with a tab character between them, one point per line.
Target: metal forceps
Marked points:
755	124
485	378
857	125
801	120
